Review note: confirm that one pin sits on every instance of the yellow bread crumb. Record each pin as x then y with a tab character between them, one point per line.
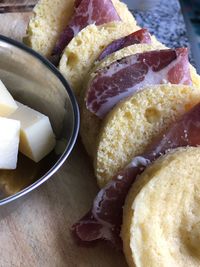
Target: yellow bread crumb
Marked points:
83	50
123	11
49	19
133	123
161	213
90	124
195	77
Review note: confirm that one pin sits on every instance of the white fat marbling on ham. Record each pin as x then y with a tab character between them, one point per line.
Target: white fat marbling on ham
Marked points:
139	161
130	74
86	12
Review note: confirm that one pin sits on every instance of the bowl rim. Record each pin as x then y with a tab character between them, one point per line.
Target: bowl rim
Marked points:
76	114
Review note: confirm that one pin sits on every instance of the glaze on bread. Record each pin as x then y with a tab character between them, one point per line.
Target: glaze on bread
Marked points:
133	123
162	213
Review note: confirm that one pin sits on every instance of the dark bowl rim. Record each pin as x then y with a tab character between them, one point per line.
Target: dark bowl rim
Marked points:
75	108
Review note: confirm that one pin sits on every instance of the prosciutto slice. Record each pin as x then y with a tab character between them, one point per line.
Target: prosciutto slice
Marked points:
77	3
104	219
139	37
86	12
130	74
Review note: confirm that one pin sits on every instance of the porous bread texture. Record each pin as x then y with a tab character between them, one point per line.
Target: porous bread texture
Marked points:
195	77
162	213
49	19
133	123
124	12
90	123
84	48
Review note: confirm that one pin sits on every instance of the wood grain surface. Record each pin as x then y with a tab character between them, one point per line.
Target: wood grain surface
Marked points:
34	230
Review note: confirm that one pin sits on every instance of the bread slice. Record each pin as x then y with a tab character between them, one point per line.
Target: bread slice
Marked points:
82	51
123	11
49	19
90	124
195	77
161	213
133	123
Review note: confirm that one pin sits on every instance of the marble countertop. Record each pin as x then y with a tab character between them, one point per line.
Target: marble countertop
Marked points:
166	22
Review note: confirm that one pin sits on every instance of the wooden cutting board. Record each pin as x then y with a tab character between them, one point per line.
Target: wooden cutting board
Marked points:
34	230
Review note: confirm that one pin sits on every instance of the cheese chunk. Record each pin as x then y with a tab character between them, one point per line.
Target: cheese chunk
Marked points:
7	103
36	136
9	136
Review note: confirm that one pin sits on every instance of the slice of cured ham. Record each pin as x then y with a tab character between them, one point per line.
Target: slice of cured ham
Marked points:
130	74
77	3
105	218
139	37
86	12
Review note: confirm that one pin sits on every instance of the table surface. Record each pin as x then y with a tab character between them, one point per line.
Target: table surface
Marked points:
34	230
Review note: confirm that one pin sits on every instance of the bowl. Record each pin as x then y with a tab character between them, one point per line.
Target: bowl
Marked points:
34	81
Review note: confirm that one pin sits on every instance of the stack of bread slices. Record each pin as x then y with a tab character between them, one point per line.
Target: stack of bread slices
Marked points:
130	91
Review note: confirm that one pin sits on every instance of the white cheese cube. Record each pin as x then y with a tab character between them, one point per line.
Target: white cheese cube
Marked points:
7	103
9	144
36	135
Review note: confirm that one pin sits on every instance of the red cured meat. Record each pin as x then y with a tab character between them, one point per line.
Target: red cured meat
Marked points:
130	74
77	3
86	12
139	37
105	216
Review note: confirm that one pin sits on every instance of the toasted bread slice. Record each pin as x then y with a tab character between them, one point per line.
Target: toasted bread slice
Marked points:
82	51
133	123
90	124
161	213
